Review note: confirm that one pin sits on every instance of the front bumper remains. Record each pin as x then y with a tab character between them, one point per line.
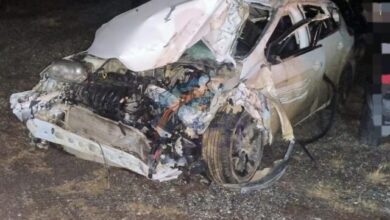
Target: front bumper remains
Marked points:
89	136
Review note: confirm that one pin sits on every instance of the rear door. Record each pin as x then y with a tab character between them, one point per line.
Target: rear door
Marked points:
304	65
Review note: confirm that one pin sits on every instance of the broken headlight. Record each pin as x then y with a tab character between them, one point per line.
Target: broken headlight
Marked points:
66	71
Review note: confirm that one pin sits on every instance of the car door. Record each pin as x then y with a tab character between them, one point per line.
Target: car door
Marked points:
303	63
330	38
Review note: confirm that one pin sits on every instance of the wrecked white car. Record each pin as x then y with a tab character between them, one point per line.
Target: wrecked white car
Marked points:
176	85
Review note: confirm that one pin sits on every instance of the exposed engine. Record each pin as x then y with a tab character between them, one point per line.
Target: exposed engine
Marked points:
157	103
158	116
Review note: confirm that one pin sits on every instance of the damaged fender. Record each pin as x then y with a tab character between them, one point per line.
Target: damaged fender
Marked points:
264	83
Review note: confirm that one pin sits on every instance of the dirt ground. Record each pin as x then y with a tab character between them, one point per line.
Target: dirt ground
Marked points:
350	181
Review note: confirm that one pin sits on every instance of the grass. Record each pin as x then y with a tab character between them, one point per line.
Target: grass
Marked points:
379	176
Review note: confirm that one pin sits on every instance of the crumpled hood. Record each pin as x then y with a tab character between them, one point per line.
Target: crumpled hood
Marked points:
156	33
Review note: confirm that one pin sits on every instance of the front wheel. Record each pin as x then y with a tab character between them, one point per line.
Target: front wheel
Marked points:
232	148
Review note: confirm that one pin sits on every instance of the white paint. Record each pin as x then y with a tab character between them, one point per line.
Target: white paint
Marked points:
98	152
385	48
154	34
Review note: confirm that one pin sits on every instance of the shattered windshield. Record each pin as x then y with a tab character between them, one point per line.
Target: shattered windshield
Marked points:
252	30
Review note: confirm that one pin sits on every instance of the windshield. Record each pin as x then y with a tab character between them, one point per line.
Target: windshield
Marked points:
252	30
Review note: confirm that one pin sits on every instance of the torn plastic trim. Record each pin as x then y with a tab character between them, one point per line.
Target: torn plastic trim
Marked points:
198	121
21	104
25	104
93	151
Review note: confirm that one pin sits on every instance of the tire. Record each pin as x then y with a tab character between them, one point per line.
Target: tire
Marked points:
232	148
369	134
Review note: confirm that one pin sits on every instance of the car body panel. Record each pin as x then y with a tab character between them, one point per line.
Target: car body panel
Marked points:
177	25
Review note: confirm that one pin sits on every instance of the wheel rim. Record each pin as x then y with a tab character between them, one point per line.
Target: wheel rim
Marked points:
246	149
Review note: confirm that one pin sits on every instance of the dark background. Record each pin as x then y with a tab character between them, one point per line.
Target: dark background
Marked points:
350	180
13	8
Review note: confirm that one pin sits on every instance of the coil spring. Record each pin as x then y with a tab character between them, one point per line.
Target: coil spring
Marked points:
104	100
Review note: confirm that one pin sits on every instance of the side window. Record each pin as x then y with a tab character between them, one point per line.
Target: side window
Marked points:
253	28
311	12
328	26
287	47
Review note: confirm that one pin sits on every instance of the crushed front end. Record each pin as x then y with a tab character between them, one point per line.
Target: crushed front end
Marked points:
148	122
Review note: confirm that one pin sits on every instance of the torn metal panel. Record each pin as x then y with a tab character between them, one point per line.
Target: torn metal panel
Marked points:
174	23
224	28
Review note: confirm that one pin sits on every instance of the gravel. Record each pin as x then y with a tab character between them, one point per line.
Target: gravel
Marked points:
349	180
